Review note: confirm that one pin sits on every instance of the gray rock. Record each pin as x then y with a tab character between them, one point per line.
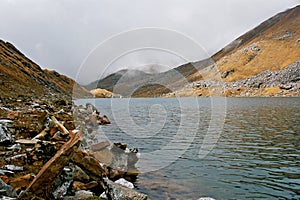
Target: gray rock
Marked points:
5	109
104	156
286	86
13	168
15	147
6	172
101	145
4	63
91	108
125	183
286	35
79	174
7	190
103	195
120	161
62	190
82	194
227	73
6	131
117	191
7	198
20	157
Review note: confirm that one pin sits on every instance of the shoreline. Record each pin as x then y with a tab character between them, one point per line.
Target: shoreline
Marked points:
48	141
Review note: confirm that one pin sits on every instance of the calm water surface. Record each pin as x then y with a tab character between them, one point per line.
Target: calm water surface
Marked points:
257	155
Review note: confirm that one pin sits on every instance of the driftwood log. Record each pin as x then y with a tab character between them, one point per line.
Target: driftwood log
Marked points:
60	126
41	185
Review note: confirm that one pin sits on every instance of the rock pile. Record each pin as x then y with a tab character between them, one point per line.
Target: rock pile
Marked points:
287	80
47	153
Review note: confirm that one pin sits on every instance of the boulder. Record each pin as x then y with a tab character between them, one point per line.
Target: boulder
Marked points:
80	175
90	165
77	185
120	160
61	191
117	191
123	158
100	146
82	194
6	131
104	120
104	156
6	190
125	183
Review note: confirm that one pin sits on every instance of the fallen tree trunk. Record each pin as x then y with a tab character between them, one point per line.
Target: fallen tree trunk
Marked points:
41	185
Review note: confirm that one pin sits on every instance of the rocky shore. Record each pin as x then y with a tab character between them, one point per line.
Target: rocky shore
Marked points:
49	150
285	82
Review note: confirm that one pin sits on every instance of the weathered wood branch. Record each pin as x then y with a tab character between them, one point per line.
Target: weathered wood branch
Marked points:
59	125
41	185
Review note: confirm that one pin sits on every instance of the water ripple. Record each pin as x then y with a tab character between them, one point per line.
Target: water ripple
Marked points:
256	157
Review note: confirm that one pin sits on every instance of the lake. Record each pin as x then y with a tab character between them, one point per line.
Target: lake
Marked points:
224	148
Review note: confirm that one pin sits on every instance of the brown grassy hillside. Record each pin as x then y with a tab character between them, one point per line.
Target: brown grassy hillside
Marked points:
272	45
19	76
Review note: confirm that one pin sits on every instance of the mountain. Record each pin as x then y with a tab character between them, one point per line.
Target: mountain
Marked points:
21	77
115	78
273	45
137	83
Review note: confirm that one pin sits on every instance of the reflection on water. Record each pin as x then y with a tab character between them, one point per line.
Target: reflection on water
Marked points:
257	155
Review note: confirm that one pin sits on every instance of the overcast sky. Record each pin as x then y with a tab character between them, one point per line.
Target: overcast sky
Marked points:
60	34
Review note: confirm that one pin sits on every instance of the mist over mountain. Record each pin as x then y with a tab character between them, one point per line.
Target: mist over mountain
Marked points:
273	45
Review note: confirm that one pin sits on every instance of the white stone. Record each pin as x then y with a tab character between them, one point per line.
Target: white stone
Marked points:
206	198
125	183
103	195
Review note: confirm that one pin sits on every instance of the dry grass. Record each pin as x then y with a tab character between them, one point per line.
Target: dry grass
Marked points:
20	76
273	53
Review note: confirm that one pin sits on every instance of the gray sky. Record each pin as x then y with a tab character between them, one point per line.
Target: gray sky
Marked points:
60	34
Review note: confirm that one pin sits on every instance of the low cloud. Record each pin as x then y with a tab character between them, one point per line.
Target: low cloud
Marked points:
59	34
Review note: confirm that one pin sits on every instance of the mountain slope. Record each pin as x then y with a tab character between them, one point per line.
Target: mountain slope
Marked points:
122	76
19	76
273	45
136	83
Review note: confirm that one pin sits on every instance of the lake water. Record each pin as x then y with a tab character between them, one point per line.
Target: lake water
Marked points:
225	148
